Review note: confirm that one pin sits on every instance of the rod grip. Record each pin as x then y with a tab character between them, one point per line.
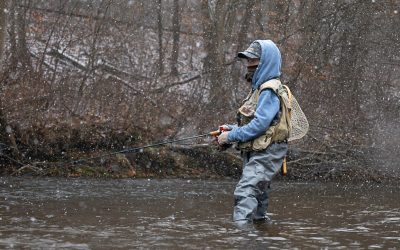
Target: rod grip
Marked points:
215	133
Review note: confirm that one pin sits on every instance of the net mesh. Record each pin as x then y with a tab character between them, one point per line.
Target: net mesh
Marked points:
298	121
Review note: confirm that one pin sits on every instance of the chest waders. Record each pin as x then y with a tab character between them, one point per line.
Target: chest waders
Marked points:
264	156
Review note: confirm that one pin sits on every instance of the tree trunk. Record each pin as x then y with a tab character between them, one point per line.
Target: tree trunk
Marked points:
160	37
3	26
22	47
214	18
176	26
244	25
13	39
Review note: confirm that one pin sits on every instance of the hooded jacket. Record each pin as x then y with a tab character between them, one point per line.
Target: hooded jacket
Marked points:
268	103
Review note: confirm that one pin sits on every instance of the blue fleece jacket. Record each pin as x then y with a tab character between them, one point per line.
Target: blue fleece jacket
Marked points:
268	103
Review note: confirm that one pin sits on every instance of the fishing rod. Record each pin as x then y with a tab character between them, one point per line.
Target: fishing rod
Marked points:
140	149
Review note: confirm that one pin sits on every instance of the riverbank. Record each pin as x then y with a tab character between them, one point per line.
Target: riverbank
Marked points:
202	161
195	162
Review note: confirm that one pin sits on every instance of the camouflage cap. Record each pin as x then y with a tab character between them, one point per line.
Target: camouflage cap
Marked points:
253	51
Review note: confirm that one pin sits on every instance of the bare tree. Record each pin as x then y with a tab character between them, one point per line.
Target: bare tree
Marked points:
13	36
17	35
93	62
176	26
215	14
6	132
245	23
3	26
160	38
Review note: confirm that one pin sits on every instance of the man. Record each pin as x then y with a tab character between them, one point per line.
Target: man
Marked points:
262	130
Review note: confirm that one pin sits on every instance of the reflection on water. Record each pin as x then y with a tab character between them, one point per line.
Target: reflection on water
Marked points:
194	214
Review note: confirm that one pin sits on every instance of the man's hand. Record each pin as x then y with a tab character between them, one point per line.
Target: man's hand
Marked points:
223	138
224	128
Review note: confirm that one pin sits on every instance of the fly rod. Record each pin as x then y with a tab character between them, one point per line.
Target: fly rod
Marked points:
140	149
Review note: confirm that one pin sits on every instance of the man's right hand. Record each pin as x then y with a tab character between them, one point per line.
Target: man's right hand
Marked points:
224	127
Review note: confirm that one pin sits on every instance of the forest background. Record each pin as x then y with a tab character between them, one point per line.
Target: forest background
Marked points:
79	77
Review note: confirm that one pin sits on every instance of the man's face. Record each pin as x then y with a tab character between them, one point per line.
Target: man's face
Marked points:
252	61
251	68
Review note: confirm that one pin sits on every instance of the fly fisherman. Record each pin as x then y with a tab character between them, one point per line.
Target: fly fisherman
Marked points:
262	131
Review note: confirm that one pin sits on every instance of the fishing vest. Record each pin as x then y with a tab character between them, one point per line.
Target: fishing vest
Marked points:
279	128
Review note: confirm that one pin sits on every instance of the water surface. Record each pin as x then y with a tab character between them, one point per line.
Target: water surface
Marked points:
52	213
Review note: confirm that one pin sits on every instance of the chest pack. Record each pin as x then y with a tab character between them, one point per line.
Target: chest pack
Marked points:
284	127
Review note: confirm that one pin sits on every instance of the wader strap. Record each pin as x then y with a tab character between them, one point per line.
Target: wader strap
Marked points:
290	96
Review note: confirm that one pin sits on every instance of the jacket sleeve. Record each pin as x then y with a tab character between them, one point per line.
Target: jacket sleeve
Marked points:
266	110
232	126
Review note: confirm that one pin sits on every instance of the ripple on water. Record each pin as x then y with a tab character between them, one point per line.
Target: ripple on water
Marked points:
195	215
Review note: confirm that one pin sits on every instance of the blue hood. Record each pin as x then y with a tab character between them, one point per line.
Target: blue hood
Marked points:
270	63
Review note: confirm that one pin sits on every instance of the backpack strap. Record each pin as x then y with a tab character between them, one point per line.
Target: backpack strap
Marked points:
273	84
290	97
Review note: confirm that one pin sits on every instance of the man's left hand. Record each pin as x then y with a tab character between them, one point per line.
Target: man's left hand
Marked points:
223	138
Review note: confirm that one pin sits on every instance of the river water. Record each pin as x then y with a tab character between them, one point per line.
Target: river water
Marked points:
53	213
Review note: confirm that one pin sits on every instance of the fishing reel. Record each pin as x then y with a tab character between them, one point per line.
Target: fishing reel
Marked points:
215	134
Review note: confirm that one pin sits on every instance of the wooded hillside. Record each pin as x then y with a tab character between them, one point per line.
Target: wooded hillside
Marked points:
103	75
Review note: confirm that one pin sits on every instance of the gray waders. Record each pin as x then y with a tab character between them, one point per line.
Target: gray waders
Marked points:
251	193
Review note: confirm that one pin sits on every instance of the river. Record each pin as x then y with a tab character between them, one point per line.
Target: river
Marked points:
56	213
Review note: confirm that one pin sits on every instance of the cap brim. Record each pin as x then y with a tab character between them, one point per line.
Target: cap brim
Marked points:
246	54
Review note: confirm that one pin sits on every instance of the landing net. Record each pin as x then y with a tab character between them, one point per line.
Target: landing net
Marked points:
298	121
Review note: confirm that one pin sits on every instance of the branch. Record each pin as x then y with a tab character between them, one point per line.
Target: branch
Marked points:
36	170
162	89
108	19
